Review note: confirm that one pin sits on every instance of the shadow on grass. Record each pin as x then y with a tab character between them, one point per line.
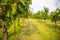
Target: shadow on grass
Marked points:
1	38
53	26
56	29
0	26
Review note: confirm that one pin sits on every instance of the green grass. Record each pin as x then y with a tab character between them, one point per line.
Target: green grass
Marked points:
46	30
0	33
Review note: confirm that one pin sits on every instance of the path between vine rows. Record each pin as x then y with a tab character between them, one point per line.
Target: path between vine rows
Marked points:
29	32
33	30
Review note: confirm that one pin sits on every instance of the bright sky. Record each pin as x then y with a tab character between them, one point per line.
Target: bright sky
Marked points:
39	4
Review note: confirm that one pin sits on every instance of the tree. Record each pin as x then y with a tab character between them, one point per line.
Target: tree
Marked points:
55	16
6	20
46	11
10	10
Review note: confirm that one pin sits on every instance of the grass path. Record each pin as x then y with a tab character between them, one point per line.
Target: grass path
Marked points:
34	30
29	32
45	32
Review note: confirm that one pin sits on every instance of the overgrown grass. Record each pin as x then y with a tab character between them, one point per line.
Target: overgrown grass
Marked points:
46	32
46	29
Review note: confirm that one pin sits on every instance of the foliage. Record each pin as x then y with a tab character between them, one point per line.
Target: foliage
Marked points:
12	8
55	15
46	11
